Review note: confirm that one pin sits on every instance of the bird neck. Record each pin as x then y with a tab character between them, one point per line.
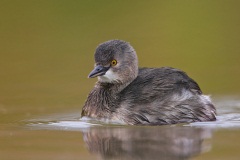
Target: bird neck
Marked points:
114	88
104	99
100	102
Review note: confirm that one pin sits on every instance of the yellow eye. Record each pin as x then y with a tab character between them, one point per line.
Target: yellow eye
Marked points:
114	62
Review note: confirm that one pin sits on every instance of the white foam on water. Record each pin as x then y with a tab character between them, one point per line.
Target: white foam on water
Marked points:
231	120
228	117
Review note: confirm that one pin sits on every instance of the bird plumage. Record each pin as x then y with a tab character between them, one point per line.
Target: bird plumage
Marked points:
143	96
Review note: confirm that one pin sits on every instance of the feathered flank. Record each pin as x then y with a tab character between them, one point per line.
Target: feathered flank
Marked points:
143	96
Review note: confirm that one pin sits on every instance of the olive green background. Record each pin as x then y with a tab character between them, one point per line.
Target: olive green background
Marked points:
47	47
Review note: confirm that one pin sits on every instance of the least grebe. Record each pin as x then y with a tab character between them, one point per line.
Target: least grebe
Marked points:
131	95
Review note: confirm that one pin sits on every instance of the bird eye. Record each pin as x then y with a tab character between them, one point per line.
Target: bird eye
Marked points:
114	62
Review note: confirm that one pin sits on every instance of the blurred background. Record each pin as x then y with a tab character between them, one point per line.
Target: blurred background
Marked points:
47	47
46	54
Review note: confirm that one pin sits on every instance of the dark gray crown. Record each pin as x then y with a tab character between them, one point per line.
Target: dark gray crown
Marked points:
105	51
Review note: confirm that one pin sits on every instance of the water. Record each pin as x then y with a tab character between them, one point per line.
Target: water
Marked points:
201	140
46	53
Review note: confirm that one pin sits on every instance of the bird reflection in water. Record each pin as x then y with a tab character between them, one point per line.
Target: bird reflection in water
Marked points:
165	142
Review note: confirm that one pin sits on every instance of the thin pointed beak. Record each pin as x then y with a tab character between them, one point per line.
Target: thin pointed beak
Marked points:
99	70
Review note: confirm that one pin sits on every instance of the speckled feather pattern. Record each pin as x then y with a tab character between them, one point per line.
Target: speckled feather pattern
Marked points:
146	96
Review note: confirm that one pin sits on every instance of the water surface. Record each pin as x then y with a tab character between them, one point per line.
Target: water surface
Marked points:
46	53
201	140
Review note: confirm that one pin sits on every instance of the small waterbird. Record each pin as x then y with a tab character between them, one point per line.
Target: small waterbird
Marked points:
127	94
